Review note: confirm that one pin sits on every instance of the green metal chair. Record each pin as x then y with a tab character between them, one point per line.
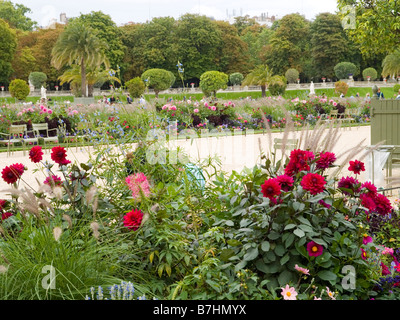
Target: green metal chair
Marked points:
41	131
16	135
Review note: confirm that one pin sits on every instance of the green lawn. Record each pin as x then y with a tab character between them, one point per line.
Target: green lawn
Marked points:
289	94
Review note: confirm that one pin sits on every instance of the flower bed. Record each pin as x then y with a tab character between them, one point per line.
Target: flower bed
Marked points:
111	122
277	231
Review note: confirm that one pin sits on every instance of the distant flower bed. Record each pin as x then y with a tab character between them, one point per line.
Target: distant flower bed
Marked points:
110	122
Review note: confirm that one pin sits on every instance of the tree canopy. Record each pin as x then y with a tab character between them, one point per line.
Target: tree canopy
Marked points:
15	15
373	24
8	41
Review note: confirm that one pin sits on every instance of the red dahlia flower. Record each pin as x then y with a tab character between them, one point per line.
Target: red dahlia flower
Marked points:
286	182
368	202
349	183
325	160
363	254
314	183
59	155
367	239
299	161
385	269
271	188
370	189
36	154
383	205
13	173
133	219
6	215
314	249
356	166
3	204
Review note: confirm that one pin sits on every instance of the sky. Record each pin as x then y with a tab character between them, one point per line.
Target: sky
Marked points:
124	11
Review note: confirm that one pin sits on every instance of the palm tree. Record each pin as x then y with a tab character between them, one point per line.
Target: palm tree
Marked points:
391	64
260	76
94	77
79	45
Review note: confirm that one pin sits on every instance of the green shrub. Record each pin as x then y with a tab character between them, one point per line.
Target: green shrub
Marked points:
370	72
343	69
341	87
277	85
38	79
158	79
292	75
135	87
212	81
236	78
19	89
396	88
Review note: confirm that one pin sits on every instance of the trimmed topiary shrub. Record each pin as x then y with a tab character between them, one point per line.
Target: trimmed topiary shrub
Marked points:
236	78
135	87
371	73
292	75
158	79
212	81
19	89
38	79
343	69
277	85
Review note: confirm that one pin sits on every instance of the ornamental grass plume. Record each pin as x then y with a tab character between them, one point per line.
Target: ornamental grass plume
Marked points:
57	231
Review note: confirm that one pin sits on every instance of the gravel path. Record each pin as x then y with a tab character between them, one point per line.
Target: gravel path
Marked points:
234	152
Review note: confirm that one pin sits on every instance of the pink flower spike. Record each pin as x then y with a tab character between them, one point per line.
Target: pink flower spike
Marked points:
136	183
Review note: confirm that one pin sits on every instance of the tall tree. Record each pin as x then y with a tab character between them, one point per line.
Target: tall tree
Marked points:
23	64
328	44
257	38
106	29
45	40
233	55
78	45
198	41
133	64
289	45
241	23
15	15
8	46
